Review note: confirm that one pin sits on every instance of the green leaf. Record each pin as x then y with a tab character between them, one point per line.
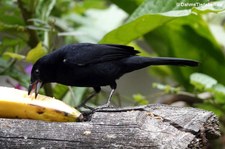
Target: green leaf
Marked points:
219	92
189	35
202	81
166	88
133	4
174	33
170	7
135	29
140	99
10	14
75	95
153	7
146	20
60	91
79	93
83	6
11	28
36	53
14	55
44	8
210	7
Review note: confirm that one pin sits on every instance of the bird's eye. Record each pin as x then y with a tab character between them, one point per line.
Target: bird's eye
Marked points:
37	71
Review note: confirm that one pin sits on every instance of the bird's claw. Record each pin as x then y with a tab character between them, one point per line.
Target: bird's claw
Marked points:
99	108
105	106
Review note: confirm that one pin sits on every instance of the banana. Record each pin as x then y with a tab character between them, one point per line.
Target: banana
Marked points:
16	103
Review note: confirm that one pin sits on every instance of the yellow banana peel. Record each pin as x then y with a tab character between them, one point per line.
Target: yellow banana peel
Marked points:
16	103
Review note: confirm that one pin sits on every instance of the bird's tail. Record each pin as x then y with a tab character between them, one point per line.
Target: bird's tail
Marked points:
170	61
137	62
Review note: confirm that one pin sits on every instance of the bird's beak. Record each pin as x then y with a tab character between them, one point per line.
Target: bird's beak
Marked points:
35	86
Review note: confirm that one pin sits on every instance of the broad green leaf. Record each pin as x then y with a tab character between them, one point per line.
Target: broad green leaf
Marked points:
135	29
152	7
129	8
14	55
173	33
143	22
169	7
36	53
207	7
202	81
188	37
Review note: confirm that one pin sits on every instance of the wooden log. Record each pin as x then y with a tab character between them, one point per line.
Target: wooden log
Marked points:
152	126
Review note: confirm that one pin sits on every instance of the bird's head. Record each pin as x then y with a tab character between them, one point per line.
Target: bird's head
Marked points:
36	78
41	73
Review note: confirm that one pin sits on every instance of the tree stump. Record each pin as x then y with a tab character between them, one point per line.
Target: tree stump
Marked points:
152	126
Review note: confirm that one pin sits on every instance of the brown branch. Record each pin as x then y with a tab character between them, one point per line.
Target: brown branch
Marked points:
190	100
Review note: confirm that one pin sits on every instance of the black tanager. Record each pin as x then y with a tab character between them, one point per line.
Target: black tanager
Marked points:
93	65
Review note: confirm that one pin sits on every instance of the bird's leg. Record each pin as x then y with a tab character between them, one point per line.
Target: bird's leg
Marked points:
96	91
109	99
83	104
99	107
113	86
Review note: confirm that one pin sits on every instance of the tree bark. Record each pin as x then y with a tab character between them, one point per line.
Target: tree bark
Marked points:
151	126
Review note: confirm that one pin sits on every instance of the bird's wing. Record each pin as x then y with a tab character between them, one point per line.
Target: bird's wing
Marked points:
84	54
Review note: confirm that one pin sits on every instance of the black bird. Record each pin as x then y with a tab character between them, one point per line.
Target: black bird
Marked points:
93	65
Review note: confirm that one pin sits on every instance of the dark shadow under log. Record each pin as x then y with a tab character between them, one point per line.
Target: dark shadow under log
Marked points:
152	126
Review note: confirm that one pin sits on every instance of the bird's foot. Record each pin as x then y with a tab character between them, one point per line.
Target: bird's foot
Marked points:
103	107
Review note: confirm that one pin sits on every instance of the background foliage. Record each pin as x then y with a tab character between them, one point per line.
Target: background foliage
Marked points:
193	29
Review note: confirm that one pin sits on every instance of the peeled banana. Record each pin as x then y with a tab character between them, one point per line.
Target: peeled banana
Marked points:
16	103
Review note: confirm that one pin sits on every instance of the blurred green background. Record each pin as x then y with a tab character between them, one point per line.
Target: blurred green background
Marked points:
193	29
